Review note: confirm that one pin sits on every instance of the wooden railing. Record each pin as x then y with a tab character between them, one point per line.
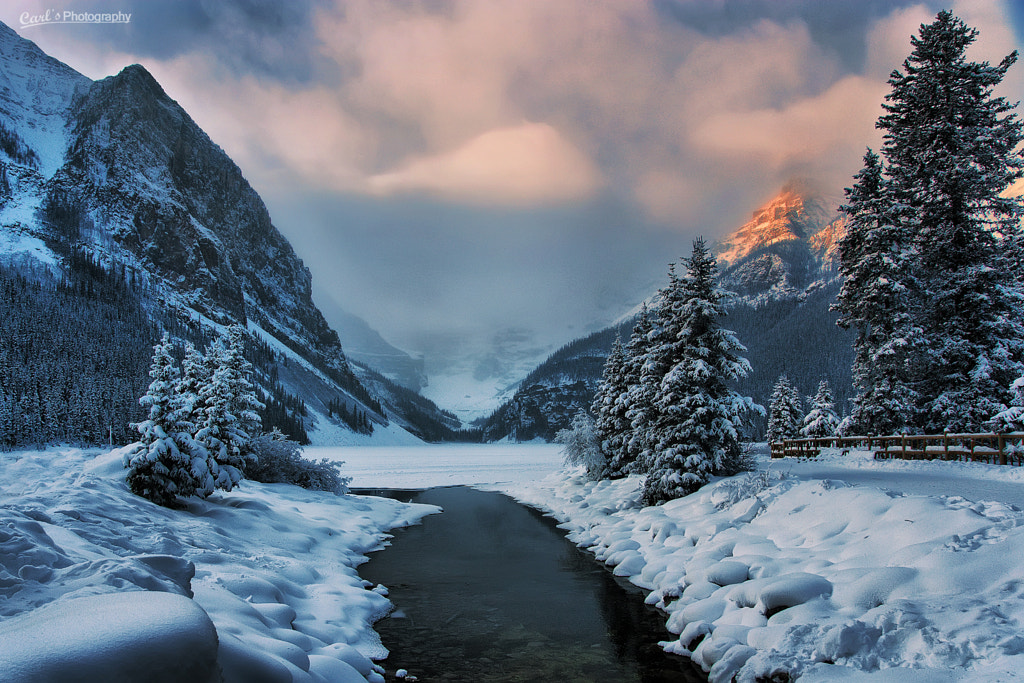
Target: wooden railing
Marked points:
1002	449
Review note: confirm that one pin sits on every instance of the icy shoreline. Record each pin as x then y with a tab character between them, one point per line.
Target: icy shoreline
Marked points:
274	567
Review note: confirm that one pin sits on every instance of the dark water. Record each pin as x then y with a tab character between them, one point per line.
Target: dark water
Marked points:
492	591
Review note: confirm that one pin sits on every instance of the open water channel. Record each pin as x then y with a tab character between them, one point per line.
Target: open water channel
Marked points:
491	590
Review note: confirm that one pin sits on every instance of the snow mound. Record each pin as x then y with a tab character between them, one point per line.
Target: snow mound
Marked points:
127	637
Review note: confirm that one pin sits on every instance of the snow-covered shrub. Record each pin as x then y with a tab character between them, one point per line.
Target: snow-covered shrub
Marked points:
279	461
583	445
748	486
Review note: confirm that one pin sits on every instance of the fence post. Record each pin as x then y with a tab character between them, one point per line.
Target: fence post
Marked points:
1002	452
903	445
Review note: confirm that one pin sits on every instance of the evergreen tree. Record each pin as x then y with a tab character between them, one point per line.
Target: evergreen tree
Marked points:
639	398
228	415
875	299
694	432
822	419
950	149
157	468
196	373
1012	418
612	424
784	412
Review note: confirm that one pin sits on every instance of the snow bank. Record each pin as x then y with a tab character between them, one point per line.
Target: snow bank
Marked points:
141	636
820	579
273	566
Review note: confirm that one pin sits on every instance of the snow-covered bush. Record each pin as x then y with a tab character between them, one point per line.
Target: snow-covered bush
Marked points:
749	485
583	445
279	461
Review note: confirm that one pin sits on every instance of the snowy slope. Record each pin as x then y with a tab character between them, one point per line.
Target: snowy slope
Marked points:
36	93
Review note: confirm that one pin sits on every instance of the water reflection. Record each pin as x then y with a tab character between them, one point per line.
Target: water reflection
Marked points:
492	591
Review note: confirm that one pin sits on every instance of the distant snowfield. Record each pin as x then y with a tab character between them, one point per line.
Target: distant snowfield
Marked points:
418	467
912	572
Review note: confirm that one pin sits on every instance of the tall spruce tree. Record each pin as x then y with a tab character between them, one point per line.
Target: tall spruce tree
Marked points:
228	418
639	398
694	433
875	299
611	423
950	150
784	411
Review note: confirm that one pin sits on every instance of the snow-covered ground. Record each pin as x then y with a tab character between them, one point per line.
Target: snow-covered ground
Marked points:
838	569
273	567
491	465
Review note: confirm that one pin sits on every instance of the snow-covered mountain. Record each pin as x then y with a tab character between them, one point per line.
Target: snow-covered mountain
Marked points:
781	265
117	171
788	244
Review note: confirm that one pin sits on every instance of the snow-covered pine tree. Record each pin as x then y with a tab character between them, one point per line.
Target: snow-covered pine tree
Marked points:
582	445
228	411
158	468
639	398
196	372
950	150
694	433
875	299
1012	418
784	411
611	423
822	419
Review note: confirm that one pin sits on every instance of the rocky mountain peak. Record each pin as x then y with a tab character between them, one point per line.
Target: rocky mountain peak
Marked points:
797	212
788	243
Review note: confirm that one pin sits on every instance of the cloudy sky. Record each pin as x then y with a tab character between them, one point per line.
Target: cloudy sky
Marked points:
472	165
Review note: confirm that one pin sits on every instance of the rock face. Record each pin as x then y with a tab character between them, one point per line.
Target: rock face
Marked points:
177	202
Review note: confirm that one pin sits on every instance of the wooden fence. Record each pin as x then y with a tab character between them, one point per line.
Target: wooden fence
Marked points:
1002	449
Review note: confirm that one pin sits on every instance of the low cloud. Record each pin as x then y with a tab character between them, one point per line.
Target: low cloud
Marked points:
526	164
